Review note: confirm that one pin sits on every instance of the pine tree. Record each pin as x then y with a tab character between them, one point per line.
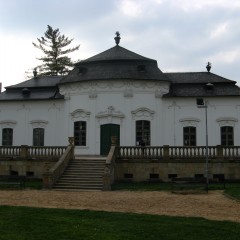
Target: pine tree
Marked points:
55	60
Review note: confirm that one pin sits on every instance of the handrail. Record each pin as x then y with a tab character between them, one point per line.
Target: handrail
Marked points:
54	173
108	176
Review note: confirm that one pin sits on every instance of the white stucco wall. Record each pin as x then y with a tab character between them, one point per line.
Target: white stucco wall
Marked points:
119	102
23	116
182	112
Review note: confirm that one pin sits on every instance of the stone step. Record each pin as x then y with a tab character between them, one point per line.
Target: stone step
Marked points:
77	177
72	189
83	173
80	186
79	183
81	170
89	176
78	157
86	166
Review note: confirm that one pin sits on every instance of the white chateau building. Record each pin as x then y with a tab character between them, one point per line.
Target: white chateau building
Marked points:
120	93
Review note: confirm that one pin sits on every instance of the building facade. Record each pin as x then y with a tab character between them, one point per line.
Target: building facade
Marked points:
120	93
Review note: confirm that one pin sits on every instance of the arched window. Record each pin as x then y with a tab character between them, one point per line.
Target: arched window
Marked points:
189	136
7	137
227	136
80	133
143	129
38	137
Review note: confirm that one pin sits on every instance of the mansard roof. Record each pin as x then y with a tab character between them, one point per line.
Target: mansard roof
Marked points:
37	88
118	63
36	82
196	77
115	63
200	84
116	53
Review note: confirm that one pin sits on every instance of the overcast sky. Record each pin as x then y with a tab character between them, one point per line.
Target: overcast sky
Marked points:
182	35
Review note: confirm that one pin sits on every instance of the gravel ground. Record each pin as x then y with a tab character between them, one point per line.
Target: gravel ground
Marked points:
213	205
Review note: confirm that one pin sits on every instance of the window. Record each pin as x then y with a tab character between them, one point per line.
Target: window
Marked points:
227	137
7	136
143	131
80	133
38	137
189	136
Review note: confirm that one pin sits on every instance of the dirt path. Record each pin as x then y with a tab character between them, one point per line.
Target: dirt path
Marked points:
213	205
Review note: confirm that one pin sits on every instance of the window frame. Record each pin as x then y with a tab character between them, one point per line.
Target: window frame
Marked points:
190	136
80	133
143	131
38	137
227	135
9	140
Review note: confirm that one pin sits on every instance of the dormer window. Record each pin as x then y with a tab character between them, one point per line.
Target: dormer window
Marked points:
209	87
141	68
26	92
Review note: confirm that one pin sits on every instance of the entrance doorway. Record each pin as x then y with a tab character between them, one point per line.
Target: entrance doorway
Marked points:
107	131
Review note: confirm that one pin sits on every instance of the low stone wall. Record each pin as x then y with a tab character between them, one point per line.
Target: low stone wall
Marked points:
34	168
149	170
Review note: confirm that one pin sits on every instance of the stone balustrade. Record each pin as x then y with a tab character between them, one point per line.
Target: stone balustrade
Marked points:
178	152
25	151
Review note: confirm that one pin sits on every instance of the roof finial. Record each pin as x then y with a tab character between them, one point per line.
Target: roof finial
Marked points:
117	38
208	67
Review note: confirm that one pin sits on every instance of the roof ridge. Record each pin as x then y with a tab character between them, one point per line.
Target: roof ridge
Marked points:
116	53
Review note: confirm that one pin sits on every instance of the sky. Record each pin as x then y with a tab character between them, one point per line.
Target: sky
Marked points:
182	35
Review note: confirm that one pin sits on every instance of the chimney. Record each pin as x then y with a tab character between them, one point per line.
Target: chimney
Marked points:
35	72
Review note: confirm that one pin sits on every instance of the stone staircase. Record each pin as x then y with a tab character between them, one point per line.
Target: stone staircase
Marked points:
84	173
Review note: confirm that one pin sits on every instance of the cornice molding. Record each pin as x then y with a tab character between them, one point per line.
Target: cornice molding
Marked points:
80	113
143	112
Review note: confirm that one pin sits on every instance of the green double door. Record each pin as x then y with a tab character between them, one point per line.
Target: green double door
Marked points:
107	131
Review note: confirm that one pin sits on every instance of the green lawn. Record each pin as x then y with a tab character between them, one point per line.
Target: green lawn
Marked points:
233	190
29	184
58	224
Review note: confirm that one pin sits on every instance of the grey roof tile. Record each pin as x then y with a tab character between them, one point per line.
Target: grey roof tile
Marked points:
40	88
38	82
115	63
116	53
196	77
120	63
